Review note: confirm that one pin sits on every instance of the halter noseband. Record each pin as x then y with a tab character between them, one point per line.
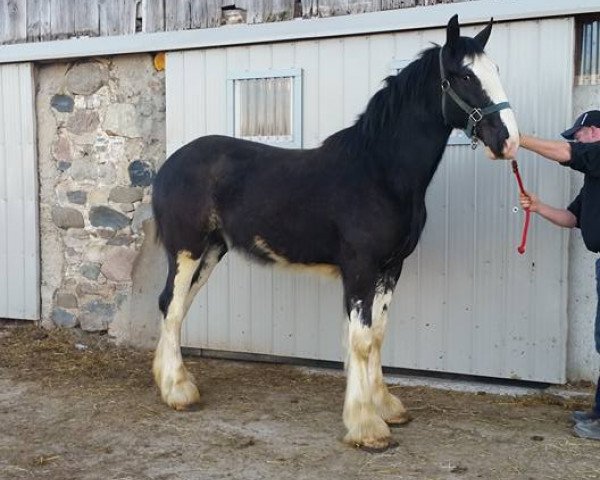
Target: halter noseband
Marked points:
475	114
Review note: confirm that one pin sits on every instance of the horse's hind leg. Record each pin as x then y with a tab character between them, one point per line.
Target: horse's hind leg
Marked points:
176	385
213	254
186	276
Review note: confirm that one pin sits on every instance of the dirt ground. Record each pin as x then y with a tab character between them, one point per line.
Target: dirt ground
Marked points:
73	406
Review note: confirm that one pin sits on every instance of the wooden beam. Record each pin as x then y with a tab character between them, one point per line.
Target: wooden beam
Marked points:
365	24
332	8
87	18
178	15
13	21
62	22
310	8
395	4
38	20
205	13
117	17
153	16
362	6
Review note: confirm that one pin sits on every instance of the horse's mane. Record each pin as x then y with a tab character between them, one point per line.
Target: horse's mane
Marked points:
399	92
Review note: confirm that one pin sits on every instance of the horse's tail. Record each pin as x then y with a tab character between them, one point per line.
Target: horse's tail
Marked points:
156	211
158	236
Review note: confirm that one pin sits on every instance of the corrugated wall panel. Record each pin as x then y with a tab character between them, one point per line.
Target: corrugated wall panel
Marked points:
466	301
4	153
402	344
19	238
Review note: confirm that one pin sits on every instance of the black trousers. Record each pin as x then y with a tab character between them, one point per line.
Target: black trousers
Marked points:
597	333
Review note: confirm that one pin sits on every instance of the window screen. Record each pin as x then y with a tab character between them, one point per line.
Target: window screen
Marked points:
265	107
587	60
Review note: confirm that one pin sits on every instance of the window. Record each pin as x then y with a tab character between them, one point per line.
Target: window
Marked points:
587	50
266	107
457	137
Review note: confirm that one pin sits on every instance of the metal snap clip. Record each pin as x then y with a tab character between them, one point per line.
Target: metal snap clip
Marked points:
475	116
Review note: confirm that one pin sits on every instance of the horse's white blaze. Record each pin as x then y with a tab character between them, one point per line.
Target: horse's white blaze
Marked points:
175	383
487	73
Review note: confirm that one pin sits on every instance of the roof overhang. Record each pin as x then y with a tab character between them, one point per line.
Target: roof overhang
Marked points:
417	18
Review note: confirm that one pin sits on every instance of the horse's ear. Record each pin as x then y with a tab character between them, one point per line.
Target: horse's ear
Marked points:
482	37
452	32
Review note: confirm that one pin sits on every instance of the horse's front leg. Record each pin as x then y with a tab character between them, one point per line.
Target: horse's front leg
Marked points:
365	426
388	406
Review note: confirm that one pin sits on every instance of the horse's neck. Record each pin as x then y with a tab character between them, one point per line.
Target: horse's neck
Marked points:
404	127
410	155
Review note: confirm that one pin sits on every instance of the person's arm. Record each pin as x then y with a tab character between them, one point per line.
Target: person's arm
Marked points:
552	149
558	216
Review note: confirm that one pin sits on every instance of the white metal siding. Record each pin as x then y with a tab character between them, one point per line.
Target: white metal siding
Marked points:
466	301
19	250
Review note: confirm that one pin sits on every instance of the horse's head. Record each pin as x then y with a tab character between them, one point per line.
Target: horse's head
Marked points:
472	96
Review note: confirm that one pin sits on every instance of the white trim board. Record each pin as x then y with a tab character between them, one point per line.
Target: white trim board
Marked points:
417	18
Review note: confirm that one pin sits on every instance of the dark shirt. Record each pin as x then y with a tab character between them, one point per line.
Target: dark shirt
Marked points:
585	157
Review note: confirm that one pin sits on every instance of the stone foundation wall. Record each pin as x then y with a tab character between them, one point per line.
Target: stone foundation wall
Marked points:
101	134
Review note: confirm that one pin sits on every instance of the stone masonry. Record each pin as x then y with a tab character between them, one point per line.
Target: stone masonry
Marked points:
101	135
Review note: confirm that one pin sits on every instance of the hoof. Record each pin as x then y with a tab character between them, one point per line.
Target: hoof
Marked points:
400	420
190	407
390	408
183	396
373	441
378	446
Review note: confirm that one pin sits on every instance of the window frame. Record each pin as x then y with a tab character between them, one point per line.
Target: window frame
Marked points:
580	22
295	74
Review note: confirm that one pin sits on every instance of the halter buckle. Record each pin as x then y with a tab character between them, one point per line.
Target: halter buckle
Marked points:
445	84
475	116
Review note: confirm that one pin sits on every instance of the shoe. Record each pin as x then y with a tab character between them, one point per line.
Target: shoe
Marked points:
589	430
585	416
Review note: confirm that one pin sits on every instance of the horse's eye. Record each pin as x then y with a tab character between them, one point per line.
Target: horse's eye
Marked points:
467	78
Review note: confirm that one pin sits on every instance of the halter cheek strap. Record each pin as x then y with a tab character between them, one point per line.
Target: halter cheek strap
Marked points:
475	114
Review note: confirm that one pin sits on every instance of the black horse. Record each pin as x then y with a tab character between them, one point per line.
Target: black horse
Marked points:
355	205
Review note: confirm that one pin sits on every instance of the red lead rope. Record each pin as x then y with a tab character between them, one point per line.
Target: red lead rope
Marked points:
515	169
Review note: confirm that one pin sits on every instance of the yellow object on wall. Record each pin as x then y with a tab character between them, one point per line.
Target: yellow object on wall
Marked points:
159	61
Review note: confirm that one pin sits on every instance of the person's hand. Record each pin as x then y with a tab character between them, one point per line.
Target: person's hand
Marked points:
529	201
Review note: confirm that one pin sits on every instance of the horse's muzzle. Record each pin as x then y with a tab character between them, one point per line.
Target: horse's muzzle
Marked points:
511	145
509	150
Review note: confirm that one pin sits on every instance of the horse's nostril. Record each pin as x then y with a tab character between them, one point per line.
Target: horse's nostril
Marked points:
510	147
